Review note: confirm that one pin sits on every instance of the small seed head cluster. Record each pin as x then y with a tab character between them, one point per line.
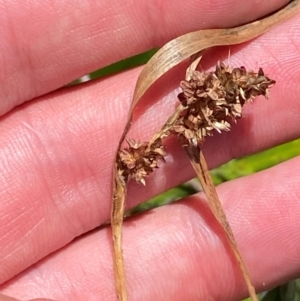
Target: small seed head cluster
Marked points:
210	102
139	159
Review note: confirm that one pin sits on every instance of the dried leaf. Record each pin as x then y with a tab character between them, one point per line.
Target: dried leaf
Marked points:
200	166
165	59
118	209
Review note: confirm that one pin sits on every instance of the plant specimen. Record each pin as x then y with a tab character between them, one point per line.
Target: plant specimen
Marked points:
209	101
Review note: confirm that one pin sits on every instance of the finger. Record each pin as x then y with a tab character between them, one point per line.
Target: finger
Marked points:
41	299
57	153
6	298
46	45
178	252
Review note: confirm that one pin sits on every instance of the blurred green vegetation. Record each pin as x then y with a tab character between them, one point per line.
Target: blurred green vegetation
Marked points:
129	63
257	162
134	61
286	292
231	170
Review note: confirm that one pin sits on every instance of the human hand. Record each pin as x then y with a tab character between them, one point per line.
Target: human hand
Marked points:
57	150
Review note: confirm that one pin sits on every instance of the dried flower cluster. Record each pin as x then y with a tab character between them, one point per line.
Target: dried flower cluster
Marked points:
139	159
214	99
210	101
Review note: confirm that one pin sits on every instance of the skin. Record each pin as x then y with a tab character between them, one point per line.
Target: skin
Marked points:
57	149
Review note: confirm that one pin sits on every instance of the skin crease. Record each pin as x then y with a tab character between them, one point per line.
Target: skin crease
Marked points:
57	151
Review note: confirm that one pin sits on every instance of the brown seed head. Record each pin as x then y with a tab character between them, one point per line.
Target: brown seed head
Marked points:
214	99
